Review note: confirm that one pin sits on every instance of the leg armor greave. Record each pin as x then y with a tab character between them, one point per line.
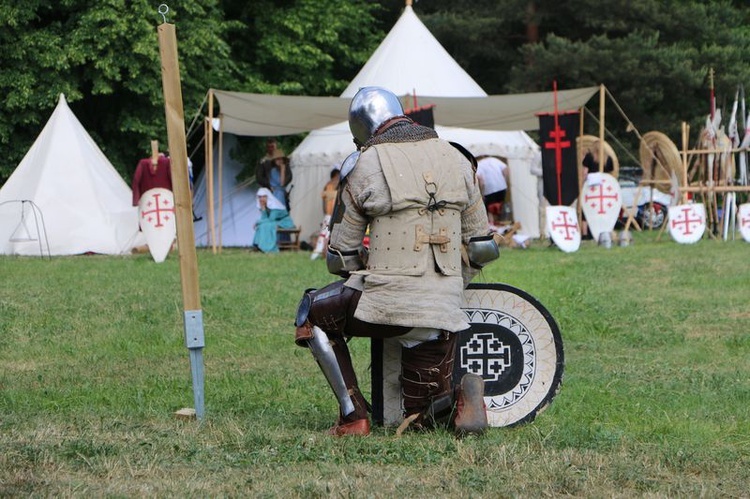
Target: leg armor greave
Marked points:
426	375
326	358
321	320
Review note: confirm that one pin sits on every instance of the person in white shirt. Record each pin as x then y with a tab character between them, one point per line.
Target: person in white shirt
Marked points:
493	181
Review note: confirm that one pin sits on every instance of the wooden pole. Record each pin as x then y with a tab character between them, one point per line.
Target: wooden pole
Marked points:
193	316
579	167
601	127
154	153
210	146
221	183
685	144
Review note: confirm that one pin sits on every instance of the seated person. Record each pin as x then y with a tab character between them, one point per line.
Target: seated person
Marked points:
273	215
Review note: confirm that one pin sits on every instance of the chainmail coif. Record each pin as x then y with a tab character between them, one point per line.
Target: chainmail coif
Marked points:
405	131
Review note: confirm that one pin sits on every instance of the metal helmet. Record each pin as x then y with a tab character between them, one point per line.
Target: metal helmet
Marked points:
370	107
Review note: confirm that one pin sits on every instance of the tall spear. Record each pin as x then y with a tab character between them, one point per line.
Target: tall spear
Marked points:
558	151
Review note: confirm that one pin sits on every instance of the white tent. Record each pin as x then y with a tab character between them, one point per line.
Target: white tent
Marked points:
65	197
410	60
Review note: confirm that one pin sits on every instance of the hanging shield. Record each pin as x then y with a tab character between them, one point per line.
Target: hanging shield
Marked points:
513	343
157	219
562	226
743	220
687	222
601	202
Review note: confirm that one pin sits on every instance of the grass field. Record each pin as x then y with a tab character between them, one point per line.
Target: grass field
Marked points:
655	401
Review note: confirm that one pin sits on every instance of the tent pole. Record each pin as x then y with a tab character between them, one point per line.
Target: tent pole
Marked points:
221	178
601	127
210	145
685	145
579	157
175	118
209	184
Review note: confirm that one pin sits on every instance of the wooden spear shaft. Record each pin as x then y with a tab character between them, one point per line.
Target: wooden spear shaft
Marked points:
193	316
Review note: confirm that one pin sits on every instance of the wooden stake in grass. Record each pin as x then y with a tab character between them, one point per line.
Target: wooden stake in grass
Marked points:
193	315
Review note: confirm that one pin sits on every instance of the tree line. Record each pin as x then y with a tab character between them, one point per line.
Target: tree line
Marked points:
654	57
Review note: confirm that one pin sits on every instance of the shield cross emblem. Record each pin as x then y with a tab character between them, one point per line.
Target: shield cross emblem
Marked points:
562	226
513	343
687	222
743	220
157	219
601	202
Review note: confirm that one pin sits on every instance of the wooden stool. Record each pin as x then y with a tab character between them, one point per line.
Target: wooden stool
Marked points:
288	243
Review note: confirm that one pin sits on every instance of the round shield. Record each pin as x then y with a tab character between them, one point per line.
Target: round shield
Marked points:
687	222
515	344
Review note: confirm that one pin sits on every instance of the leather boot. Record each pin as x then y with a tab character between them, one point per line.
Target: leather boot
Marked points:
471	412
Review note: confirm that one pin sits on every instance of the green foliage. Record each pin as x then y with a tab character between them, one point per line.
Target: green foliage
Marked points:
653	55
104	57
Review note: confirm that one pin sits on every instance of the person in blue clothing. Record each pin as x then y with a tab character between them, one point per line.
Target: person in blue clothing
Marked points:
274	173
273	215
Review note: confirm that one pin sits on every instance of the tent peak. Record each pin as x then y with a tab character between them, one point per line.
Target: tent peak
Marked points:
61	98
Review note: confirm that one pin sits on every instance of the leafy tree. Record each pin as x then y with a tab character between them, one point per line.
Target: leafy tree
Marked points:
104	57
653	55
300	47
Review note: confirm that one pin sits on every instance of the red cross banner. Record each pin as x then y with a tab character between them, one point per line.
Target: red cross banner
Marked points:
559	156
743	220
687	222
601	202
157	218
562	226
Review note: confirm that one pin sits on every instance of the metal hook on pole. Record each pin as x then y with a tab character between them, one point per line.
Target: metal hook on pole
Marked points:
163	9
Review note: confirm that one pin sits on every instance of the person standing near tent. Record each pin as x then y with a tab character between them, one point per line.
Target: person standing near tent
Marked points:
419	196
151	173
273	215
273	172
492	174
329	200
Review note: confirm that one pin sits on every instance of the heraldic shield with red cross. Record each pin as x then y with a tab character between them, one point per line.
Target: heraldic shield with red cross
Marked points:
743	220
513	343
687	222
601	202
157	219
562	227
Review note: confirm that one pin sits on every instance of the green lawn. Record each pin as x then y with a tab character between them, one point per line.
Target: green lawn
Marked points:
655	401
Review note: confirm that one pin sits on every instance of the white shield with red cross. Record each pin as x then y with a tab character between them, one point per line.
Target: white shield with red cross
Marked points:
157	219
687	222
601	203
562	226
743	220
